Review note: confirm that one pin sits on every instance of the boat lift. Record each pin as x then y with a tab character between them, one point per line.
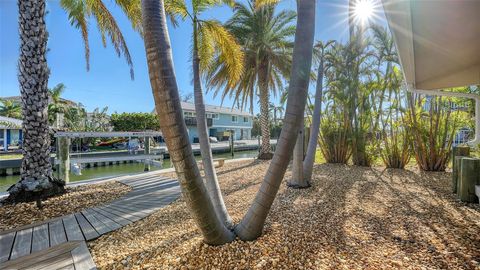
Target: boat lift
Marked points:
64	161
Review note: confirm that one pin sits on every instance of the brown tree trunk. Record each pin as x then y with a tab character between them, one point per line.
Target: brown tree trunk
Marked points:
36	180
265	149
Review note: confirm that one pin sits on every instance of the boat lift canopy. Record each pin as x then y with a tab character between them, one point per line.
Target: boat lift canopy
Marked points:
108	134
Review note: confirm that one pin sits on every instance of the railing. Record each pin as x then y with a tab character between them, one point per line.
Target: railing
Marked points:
192	121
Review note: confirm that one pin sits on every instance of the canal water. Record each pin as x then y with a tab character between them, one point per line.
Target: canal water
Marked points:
120	169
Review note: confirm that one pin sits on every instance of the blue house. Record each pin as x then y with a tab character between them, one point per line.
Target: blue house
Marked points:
221	121
10	133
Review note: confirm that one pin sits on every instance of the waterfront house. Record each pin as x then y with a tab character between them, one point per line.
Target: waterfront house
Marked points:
10	133
221	121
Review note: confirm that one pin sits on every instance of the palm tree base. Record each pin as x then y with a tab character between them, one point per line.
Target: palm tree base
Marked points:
29	190
265	156
295	185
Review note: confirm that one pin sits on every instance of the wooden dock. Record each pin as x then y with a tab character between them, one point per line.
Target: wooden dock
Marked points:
148	194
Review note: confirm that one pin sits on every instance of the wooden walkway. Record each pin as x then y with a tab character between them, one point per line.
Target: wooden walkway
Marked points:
148	194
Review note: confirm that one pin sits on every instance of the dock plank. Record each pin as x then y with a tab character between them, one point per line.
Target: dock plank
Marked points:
72	228
6	244
99	226
149	193
117	219
57	233
126	214
22	243
40	239
82	258
88	231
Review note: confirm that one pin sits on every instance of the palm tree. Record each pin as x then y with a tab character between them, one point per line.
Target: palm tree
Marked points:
265	37
210	39
36	181
36	172
276	110
167	105
320	51
10	108
252	223
57	106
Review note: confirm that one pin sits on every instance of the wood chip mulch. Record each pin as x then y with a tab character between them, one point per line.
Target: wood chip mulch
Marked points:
352	218
74	200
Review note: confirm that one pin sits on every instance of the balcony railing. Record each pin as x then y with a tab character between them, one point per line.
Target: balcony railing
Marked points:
192	121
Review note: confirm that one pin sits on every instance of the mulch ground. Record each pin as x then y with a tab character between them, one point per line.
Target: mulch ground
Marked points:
352	218
74	200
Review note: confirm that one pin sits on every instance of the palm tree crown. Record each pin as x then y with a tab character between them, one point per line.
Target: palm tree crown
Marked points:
10	108
266	40
79	12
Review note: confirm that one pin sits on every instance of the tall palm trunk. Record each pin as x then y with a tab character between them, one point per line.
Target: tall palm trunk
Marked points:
315	127
211	177
167	105
265	149
36	181
252	223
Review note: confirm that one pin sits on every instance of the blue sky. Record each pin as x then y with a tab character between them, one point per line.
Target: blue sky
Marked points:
108	82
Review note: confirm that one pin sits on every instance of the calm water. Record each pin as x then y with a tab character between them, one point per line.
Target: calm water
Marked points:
120	169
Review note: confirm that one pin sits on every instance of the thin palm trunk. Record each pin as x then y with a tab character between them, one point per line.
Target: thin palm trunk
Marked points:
315	127
167	105
212	185
298	177
252	223
265	149
36	181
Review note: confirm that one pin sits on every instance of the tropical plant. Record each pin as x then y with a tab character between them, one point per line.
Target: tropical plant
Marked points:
75	118
134	121
334	136
389	103
57	105
433	124
276	111
10	108
265	36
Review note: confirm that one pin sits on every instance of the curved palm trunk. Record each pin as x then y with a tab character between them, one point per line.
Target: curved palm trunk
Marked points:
265	149
252	223
212	185
36	180
167	105
315	128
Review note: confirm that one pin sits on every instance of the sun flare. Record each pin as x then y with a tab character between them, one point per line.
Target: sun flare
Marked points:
364	10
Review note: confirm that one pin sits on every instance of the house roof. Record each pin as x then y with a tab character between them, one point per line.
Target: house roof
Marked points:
187	106
7	122
437	41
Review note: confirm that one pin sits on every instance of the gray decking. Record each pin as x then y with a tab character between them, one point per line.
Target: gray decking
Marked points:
148	194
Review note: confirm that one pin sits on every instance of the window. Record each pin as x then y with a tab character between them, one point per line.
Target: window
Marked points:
212	116
189	114
245	119
234	119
